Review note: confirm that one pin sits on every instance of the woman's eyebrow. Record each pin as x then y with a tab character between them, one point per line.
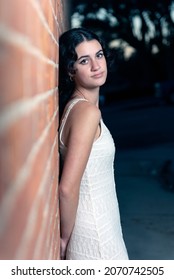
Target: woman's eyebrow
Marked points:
99	51
83	56
86	56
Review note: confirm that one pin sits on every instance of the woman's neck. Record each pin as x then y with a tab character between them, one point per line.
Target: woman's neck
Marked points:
90	95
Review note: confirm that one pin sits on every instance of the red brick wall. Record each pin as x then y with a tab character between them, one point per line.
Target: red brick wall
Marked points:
29	212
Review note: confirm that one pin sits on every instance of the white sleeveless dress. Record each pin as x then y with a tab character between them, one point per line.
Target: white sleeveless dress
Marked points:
97	232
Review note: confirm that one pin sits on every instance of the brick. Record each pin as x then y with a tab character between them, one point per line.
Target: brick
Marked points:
29	163
14	152
23	201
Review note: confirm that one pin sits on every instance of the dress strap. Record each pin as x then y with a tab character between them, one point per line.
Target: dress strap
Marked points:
68	110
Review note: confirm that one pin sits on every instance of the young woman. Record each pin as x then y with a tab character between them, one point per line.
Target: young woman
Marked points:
89	213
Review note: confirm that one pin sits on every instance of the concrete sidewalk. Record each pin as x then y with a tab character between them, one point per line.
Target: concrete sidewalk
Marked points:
146	207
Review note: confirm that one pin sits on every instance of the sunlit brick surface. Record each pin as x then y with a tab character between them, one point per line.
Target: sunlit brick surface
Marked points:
29	163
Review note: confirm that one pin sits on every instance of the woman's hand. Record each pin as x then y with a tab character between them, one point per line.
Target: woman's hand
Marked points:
63	246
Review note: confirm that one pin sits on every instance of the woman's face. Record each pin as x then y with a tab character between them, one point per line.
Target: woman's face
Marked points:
90	67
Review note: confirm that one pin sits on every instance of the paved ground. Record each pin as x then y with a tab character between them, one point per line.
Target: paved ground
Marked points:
146	205
147	209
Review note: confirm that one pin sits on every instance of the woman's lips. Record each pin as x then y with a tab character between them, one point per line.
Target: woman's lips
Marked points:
97	76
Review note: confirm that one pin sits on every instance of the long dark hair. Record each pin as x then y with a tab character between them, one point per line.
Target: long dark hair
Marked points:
68	41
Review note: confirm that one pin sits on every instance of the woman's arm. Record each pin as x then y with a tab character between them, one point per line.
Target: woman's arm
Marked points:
84	122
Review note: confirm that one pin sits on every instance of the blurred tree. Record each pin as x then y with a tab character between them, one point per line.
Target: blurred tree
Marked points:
142	24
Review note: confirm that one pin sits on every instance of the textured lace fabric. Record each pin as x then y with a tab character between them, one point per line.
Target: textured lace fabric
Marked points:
97	232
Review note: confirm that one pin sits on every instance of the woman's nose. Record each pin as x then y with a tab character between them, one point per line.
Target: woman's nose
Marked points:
95	65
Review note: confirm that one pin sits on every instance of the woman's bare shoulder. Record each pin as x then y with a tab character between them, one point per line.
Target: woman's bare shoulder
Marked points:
85	110
83	124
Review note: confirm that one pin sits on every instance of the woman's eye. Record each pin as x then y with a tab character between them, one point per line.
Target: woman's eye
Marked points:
84	61
100	55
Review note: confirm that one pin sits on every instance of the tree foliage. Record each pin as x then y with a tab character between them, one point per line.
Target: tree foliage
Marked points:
156	25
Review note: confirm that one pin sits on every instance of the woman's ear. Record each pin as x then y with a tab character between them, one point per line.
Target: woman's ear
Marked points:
71	77
71	74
